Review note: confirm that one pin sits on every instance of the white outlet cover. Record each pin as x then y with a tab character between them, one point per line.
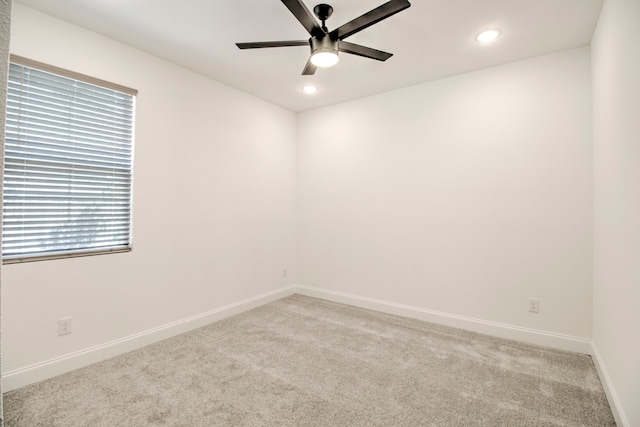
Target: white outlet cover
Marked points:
64	326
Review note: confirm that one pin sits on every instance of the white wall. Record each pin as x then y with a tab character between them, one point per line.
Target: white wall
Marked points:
213	205
616	125
464	196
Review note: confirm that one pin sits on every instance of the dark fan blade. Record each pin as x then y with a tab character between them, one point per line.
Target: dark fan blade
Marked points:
305	17
309	69
367	52
368	19
259	45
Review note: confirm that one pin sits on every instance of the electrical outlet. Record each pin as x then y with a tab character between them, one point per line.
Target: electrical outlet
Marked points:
534	305
64	326
285	273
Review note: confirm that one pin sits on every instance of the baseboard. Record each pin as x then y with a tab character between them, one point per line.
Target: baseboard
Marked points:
50	368
31	374
531	336
612	396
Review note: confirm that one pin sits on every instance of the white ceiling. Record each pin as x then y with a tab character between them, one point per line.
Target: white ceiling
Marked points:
430	40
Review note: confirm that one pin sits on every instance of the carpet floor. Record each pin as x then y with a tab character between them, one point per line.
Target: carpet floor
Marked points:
302	361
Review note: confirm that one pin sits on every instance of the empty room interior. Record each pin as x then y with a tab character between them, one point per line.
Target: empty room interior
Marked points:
489	188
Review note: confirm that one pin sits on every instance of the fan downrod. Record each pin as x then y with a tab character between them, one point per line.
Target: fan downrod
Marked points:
323	12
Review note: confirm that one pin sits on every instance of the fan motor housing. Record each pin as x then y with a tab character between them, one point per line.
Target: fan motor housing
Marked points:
323	44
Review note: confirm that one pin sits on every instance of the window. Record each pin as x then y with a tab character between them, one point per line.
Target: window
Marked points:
68	164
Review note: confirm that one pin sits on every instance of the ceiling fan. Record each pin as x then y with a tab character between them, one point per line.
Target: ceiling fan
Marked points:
325	44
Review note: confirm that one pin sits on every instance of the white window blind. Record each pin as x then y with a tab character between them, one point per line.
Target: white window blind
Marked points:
68	166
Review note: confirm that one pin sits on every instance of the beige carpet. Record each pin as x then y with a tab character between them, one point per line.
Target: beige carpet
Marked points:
301	361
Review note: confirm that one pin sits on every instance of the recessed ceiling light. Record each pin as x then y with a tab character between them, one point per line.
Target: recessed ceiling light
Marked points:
487	36
310	89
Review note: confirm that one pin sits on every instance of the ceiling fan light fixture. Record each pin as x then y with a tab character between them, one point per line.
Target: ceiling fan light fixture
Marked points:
324	58
324	52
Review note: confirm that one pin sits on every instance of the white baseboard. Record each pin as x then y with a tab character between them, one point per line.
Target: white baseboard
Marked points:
531	336
50	368
612	396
